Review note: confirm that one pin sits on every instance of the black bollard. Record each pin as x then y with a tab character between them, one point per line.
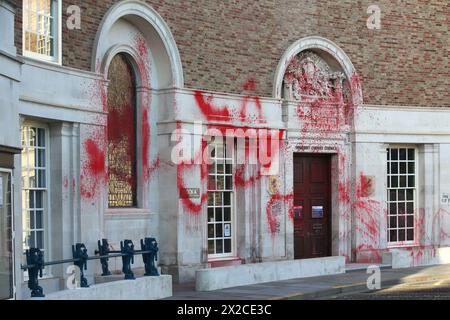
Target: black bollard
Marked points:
127	249
35	262
79	252
103	250
150	244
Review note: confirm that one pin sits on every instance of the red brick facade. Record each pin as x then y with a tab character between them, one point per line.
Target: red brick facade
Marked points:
223	44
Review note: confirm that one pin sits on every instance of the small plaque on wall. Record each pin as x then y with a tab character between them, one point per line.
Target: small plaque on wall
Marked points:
445	199
193	193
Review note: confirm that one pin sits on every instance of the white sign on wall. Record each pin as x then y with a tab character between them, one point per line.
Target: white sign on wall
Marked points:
445	200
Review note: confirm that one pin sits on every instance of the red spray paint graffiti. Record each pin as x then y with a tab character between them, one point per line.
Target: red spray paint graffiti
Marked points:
94	170
273	217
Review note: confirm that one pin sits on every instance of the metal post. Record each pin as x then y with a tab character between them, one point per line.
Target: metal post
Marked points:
150	249
127	249
79	252
35	261
103	250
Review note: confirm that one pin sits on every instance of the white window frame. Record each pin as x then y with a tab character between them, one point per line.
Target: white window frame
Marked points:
232	254
407	243
57	58
13	234
46	200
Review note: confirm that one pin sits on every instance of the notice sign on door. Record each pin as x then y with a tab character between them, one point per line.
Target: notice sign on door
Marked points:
298	210
227	230
317	212
1	192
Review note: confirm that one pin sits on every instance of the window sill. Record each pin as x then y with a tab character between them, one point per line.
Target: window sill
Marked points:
41	60
403	245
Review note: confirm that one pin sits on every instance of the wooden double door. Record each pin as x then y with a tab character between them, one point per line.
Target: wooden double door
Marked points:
312	206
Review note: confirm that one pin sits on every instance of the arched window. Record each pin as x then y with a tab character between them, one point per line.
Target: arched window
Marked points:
122	134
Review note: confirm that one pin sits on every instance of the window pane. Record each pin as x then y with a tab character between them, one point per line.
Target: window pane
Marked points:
219	230
32	222
39	220
40	239
401	209
228	246
211	199
403	154
219	246
218	199
401	221
410	221
221	183
393	209
394	154
403	182
411	154
393	236
219	214
403	168
394	182
227	198
401	235
411	167
394	166
392	195
227	215
211	248
410	234
210	215
410	194
211	231
229	183
411	182
393	222
410	208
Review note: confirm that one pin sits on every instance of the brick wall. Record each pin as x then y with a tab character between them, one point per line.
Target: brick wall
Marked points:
224	43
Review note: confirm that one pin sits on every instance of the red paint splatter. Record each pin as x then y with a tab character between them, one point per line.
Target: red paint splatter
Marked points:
273	218
241	182
94	171
250	85
210	111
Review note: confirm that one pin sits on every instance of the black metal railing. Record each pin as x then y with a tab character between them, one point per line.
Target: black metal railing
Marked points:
149	252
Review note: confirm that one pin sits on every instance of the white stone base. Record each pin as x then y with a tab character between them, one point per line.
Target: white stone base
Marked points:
247	274
145	288
413	257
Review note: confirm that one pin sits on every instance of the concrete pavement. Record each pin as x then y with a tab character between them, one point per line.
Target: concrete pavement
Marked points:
353	281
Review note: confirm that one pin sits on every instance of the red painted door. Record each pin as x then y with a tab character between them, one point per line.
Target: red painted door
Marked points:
312	206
